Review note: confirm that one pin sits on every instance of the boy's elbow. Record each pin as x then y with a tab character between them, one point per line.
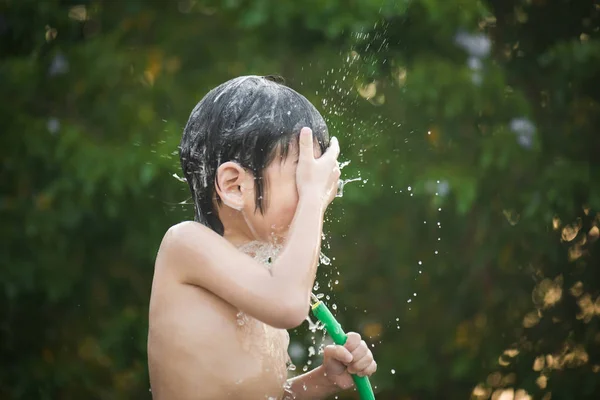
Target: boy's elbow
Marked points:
295	313
295	319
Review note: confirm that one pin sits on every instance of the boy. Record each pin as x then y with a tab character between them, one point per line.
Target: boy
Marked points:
218	317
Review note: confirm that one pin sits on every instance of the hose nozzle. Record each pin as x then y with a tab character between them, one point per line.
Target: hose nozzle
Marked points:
314	299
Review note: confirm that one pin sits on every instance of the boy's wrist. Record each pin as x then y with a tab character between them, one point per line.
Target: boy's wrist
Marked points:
312	385
311	201
327	384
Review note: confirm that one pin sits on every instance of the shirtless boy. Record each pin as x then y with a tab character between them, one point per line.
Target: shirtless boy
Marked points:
261	168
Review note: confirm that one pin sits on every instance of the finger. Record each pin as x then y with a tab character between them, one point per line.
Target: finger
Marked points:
331	360
361	351
360	364
333	150
370	370
353	341
341	354
306	144
337	169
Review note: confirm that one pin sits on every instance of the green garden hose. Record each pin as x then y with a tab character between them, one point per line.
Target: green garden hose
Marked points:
320	310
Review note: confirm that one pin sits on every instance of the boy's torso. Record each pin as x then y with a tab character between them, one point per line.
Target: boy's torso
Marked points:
200	347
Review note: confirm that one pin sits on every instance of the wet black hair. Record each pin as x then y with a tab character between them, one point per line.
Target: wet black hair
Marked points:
249	120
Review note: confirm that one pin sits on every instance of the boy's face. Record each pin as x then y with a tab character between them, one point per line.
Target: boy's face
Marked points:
280	198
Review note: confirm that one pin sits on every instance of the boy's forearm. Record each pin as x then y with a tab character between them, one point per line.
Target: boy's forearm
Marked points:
296	266
313	385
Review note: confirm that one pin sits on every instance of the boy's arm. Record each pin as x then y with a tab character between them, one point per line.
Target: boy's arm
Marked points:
312	385
279	296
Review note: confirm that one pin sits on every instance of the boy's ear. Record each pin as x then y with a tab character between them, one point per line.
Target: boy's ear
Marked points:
230	179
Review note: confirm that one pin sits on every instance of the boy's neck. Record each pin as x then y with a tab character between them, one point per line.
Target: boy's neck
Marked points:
239	239
263	251
236	239
244	241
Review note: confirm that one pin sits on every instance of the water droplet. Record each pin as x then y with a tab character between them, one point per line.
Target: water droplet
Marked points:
323	259
240	318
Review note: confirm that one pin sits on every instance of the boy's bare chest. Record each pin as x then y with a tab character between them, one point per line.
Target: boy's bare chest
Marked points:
256	336
261	366
234	354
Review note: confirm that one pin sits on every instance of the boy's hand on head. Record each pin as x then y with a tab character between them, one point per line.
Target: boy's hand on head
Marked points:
317	176
352	358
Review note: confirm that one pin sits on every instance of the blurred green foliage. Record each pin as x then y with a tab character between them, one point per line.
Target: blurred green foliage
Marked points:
467	253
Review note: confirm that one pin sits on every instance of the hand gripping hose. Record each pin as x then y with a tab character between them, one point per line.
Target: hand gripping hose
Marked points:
320	310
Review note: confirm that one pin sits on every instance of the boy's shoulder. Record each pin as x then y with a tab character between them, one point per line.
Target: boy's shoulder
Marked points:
184	241
186	225
188	231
